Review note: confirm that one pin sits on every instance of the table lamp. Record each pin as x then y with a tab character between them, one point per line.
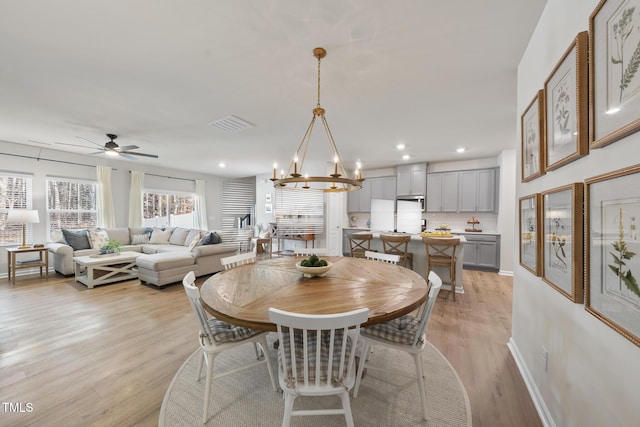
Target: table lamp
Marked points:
23	216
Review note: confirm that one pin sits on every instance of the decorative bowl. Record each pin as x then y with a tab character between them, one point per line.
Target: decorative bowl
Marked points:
314	271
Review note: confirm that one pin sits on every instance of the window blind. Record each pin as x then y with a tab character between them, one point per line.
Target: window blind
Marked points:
15	193
300	211
237	204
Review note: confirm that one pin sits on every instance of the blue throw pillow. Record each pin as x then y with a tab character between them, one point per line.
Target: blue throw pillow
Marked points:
210	239
77	239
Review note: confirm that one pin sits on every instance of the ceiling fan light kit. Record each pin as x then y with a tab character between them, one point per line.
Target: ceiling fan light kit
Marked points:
339	179
111	148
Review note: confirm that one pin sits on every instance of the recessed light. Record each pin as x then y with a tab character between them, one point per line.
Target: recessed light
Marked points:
406	157
613	110
460	150
400	146
222	165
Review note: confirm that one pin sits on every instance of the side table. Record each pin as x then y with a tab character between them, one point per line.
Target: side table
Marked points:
13	265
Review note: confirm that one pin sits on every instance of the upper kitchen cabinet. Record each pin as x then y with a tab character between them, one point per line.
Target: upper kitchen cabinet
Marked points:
411	180
372	188
477	190
442	192
383	188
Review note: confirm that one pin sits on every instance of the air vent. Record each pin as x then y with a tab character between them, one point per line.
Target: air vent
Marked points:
231	124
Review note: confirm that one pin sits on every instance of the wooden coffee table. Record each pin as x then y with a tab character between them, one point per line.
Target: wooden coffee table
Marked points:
93	270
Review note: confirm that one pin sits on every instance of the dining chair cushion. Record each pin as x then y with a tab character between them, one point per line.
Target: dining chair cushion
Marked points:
312	348
401	330
224	332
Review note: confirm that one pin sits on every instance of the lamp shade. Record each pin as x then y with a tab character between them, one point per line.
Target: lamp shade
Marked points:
23	216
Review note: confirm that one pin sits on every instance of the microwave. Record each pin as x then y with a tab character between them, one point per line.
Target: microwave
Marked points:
415	199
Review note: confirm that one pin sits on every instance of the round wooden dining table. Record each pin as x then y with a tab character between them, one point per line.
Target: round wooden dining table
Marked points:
243	295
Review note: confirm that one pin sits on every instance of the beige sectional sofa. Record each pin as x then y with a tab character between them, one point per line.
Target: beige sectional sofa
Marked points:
167	256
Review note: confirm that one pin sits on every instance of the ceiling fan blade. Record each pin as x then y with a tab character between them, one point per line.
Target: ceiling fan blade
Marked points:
127	148
88	140
135	153
98	152
71	145
126	156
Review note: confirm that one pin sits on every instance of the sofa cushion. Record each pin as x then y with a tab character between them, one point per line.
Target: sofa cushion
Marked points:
178	236
97	237
140	239
159	236
165	261
77	239
120	235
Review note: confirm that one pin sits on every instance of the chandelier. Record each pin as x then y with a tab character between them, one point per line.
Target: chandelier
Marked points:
339	179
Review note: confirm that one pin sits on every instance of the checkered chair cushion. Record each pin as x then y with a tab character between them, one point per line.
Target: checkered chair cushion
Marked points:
401	330
311	348
224	332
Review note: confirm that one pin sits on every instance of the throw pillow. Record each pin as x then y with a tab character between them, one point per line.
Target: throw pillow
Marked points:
57	236
160	237
77	239
178	236
215	238
97	238
140	239
194	241
193	234
206	240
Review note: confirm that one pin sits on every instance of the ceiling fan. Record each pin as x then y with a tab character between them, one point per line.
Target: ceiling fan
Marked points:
112	148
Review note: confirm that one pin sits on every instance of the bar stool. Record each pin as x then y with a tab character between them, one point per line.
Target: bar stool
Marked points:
441	252
397	244
360	243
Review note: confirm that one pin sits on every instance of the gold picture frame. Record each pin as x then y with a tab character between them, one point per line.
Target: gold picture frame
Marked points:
562	248
532	138
612	292
614	77
531	233
567	106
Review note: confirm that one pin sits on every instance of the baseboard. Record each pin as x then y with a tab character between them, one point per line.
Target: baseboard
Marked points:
538	401
505	273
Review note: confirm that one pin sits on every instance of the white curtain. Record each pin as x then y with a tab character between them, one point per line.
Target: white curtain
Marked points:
106	217
200	206
135	199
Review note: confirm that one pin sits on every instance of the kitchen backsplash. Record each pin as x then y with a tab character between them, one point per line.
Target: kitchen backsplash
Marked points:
456	221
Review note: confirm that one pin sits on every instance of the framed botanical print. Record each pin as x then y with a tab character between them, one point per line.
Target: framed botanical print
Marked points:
567	107
613	250
530	233
532	129
562	265
614	75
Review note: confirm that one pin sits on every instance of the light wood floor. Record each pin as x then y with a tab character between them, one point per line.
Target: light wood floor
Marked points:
72	356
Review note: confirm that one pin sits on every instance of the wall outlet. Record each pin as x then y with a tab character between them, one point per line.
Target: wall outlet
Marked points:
545	358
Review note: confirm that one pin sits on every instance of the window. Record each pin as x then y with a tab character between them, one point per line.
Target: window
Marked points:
15	193
70	204
164	209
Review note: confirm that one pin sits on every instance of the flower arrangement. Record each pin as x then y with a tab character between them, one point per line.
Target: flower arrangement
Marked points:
112	246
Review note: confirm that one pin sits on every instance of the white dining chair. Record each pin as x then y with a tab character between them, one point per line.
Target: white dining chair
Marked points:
405	333
311	251
237	260
217	336
380	256
305	339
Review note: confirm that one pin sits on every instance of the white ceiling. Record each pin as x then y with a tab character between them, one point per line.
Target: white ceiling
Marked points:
434	75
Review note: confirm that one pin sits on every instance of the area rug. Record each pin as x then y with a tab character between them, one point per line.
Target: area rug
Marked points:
385	398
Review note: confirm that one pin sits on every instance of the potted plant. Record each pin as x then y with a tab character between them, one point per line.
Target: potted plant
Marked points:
111	247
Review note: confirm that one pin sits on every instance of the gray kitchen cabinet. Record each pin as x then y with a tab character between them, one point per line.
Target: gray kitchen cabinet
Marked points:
411	180
442	192
383	188
372	188
482	252
477	191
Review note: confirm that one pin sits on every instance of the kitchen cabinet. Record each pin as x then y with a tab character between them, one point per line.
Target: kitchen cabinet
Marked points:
411	180
477	191
442	192
482	251
372	188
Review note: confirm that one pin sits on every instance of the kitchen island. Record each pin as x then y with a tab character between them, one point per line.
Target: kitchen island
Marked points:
417	247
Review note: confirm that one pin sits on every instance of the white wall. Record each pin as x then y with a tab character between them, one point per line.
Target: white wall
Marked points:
592	376
23	159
